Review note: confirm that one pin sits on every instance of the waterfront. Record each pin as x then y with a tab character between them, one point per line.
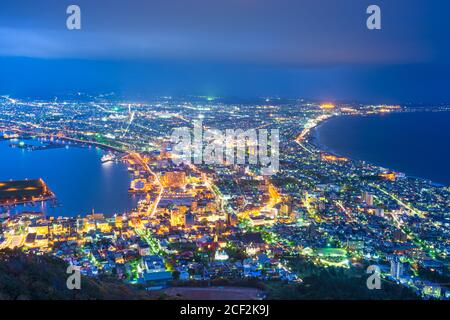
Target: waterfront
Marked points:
228	222
80	181
416	144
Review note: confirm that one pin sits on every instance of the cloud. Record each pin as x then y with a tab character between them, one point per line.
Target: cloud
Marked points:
293	32
185	45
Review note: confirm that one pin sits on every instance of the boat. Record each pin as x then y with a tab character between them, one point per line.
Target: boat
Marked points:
108	157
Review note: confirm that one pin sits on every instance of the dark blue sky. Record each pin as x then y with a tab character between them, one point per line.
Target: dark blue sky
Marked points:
304	48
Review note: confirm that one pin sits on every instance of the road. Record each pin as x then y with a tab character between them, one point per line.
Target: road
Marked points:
400	202
138	158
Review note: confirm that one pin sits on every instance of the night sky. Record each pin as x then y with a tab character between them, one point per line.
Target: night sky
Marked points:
317	49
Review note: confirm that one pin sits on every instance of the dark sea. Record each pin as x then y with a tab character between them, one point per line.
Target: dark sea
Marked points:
80	181
417	144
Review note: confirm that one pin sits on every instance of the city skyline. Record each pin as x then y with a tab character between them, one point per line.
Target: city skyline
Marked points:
201	221
224	150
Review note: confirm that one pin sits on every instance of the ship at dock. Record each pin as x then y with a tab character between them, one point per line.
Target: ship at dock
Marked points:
108	157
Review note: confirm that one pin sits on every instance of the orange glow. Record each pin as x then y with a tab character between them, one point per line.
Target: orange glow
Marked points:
327	106
388	176
329	157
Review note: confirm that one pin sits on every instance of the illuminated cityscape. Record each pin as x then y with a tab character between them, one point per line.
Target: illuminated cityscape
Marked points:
208	222
196	152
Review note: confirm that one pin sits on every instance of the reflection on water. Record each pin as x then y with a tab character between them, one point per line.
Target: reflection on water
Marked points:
80	181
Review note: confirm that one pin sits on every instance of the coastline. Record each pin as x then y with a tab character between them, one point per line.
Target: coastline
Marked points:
313	138
61	137
24	206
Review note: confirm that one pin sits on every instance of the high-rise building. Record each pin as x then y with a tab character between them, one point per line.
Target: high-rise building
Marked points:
397	268
367	198
379	212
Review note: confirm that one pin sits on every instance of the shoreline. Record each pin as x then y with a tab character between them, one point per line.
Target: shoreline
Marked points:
313	138
50	135
76	143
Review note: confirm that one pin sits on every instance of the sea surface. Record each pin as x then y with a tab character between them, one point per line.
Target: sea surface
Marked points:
80	181
417	144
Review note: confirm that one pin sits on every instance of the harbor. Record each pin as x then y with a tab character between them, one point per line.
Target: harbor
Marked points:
87	177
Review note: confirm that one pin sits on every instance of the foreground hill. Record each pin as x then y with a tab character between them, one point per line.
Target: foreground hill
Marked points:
44	278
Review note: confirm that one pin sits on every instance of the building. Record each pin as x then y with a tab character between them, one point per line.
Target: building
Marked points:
252	242
154	271
177	216
367	198
174	179
432	290
285	210
379	212
400	236
189	219
397	268
221	255
143	248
